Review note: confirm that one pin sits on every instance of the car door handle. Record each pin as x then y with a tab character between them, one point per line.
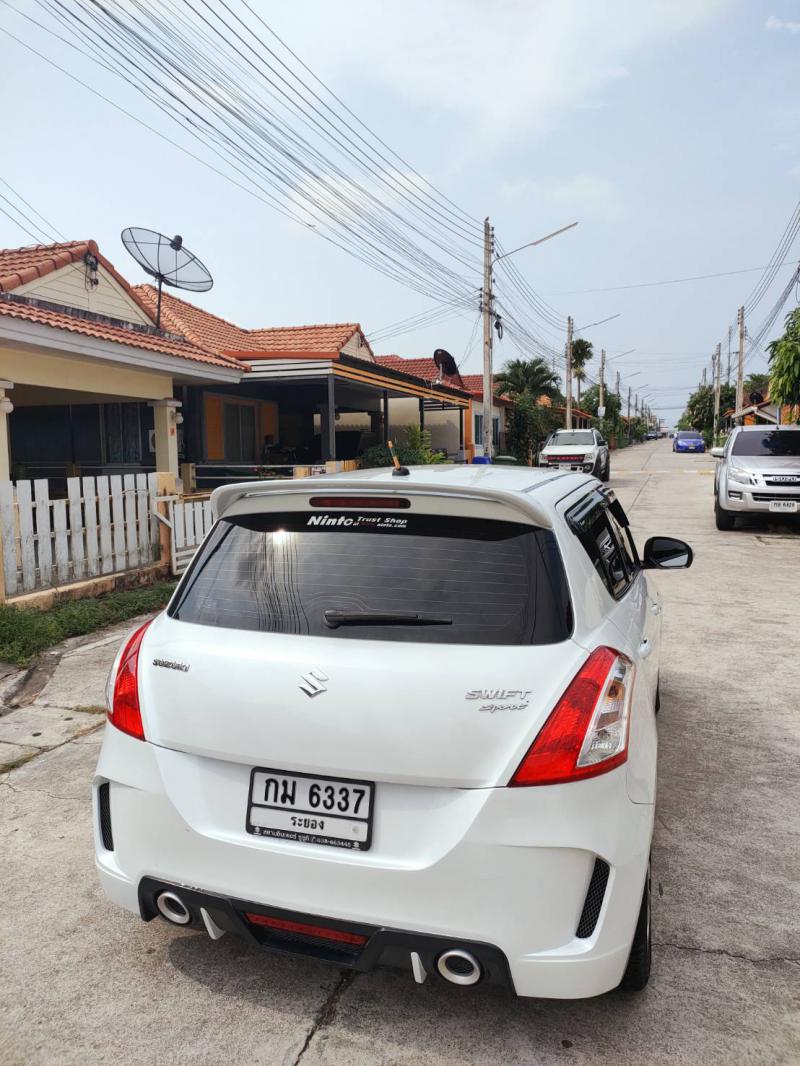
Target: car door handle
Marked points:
645	648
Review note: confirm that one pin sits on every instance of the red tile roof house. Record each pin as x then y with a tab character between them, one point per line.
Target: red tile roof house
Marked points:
88	380
446	428
96	388
311	394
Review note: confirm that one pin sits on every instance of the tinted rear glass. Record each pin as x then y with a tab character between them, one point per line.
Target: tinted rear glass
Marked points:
773	442
576	437
688	434
498	582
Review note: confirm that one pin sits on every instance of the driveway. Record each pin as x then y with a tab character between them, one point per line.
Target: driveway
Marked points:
82	982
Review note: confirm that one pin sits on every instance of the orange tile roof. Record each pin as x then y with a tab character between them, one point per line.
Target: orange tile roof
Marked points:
420	368
225	337
18	266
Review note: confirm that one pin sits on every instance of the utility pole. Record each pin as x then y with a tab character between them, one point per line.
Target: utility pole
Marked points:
636	407
568	353
486	308
618	396
728	374
740	368
602	380
703	382
717	368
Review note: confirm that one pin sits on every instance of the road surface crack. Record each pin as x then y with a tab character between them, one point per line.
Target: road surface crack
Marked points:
727	954
327	1012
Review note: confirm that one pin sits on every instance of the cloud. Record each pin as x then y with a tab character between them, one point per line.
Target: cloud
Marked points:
580	195
502	70
774	23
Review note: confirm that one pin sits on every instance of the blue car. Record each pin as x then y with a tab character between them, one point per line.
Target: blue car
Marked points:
688	440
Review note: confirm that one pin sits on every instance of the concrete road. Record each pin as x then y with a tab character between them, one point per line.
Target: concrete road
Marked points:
84	983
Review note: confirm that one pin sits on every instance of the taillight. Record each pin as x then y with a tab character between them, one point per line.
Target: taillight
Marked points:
587	732
123	707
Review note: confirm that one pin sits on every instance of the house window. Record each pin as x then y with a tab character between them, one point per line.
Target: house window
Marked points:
240	433
479	429
123	432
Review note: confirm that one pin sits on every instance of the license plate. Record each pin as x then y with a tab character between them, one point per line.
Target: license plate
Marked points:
310	809
786	506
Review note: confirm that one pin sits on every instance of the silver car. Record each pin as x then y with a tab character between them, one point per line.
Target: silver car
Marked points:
758	473
577	449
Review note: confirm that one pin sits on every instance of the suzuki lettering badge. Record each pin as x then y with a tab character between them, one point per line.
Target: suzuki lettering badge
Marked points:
312	682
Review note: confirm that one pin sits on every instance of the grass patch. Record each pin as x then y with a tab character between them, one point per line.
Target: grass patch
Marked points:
26	632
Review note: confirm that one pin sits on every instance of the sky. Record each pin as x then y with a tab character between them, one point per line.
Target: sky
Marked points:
669	130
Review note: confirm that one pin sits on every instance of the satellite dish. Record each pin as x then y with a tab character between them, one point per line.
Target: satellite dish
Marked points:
756	398
166	260
445	362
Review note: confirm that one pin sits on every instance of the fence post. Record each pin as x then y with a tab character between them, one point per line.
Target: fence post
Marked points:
165	486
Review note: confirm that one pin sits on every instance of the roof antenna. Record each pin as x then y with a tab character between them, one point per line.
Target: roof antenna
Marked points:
166	260
399	471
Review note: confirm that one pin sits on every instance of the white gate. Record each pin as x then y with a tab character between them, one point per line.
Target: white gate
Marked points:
189	521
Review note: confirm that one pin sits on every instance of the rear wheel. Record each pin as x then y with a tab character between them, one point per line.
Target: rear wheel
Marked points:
607	470
724	519
637	972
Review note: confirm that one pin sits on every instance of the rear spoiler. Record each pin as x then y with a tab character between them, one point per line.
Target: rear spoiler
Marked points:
523	502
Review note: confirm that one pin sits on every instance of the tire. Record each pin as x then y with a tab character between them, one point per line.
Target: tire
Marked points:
724	519
658	696
640	960
607	470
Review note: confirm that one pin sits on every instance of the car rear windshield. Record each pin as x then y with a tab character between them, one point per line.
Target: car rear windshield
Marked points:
470	581
772	442
685	434
577	437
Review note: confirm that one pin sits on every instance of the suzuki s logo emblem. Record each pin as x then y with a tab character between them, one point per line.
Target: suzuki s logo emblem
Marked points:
312	682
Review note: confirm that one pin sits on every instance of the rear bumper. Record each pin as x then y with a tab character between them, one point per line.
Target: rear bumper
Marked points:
510	881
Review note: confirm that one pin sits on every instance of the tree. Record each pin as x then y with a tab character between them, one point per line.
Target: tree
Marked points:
755	383
611	422
699	413
582	352
784	363
532	376
527	425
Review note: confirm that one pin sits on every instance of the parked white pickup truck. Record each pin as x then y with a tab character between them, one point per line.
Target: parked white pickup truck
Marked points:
577	449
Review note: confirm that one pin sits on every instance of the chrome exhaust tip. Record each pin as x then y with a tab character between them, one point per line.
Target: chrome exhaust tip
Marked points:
459	967
172	907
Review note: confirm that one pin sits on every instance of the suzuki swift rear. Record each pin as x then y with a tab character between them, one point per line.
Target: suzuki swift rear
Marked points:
400	720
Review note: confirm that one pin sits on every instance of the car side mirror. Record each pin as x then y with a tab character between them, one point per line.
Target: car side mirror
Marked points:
667	553
718	453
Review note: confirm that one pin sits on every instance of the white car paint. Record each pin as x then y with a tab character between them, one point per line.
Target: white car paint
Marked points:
456	853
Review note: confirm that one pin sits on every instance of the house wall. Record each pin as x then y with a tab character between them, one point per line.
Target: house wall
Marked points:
356	348
78	374
68	286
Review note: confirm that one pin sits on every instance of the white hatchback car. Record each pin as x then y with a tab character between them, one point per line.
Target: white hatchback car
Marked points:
406	720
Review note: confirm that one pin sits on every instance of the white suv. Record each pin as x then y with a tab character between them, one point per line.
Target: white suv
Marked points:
577	449
400	720
759	473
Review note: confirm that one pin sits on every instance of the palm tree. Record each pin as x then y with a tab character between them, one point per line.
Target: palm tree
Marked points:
526	376
582	352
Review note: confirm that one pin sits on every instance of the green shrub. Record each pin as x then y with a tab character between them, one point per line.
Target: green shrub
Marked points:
413	449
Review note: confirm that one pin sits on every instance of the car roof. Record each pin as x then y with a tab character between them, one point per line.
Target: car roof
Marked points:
542	488
767	425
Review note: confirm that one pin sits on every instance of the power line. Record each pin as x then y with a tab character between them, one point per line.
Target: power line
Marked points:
21	198
670	281
34	238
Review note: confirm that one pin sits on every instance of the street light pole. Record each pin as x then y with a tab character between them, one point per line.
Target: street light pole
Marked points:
487	309
568	353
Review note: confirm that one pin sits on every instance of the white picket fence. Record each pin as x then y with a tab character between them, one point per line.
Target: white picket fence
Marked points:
105	525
